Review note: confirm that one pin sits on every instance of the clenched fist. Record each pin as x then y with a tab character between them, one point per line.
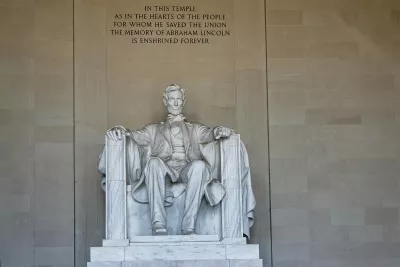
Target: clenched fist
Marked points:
116	133
222	132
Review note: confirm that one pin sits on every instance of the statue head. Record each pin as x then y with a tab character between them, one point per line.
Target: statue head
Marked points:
174	99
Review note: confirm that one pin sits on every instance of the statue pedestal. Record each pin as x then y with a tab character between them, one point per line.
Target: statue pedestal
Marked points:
182	251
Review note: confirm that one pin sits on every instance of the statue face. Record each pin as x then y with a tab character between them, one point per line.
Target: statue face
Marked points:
174	102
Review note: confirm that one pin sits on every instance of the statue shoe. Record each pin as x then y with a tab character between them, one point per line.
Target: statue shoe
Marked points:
159	229
189	232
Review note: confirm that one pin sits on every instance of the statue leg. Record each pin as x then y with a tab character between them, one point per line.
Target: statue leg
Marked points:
155	173
195	175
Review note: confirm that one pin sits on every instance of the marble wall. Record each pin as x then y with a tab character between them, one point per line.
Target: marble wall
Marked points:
333	94
121	83
36	134
333	87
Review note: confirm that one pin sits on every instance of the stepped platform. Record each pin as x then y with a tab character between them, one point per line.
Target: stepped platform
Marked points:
171	251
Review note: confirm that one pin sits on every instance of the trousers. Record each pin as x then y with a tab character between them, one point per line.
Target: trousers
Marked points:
195	175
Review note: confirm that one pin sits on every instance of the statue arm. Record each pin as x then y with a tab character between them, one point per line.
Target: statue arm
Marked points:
141	137
205	134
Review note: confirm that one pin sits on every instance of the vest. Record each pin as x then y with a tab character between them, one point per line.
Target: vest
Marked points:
178	159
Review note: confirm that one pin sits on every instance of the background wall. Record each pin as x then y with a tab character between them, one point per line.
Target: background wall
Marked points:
333	90
333	86
120	83
36	134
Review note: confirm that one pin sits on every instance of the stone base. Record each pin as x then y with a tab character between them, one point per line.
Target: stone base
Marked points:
116	243
182	251
178	263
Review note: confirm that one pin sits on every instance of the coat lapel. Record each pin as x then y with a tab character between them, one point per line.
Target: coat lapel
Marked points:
187	129
165	130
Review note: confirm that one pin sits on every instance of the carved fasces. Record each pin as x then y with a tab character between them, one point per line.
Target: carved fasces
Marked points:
232	221
115	189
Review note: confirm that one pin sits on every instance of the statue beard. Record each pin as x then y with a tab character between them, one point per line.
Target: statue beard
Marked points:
175	111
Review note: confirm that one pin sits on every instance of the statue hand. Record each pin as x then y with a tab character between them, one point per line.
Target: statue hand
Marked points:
222	132
116	133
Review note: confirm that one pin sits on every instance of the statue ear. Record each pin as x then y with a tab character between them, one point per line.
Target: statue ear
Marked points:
184	102
165	100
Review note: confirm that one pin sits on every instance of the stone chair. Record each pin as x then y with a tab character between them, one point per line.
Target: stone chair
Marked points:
126	218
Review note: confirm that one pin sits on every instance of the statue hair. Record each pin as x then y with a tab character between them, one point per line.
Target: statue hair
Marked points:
171	88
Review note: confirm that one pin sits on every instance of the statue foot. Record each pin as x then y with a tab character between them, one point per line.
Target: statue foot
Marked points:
189	232
159	229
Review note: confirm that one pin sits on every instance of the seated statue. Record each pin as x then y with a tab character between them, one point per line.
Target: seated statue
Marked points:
166	159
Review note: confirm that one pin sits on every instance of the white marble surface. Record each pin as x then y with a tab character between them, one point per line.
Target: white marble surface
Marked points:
165	252
232	222
138	217
174	238
234	241
180	263
115	242
227	241
187	263
107	254
115	189
205	158
105	264
175	244
225	219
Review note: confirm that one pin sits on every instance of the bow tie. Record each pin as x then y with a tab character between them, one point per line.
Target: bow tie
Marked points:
177	118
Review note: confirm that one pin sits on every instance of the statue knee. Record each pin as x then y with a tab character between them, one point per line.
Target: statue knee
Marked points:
154	162
154	170
198	165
